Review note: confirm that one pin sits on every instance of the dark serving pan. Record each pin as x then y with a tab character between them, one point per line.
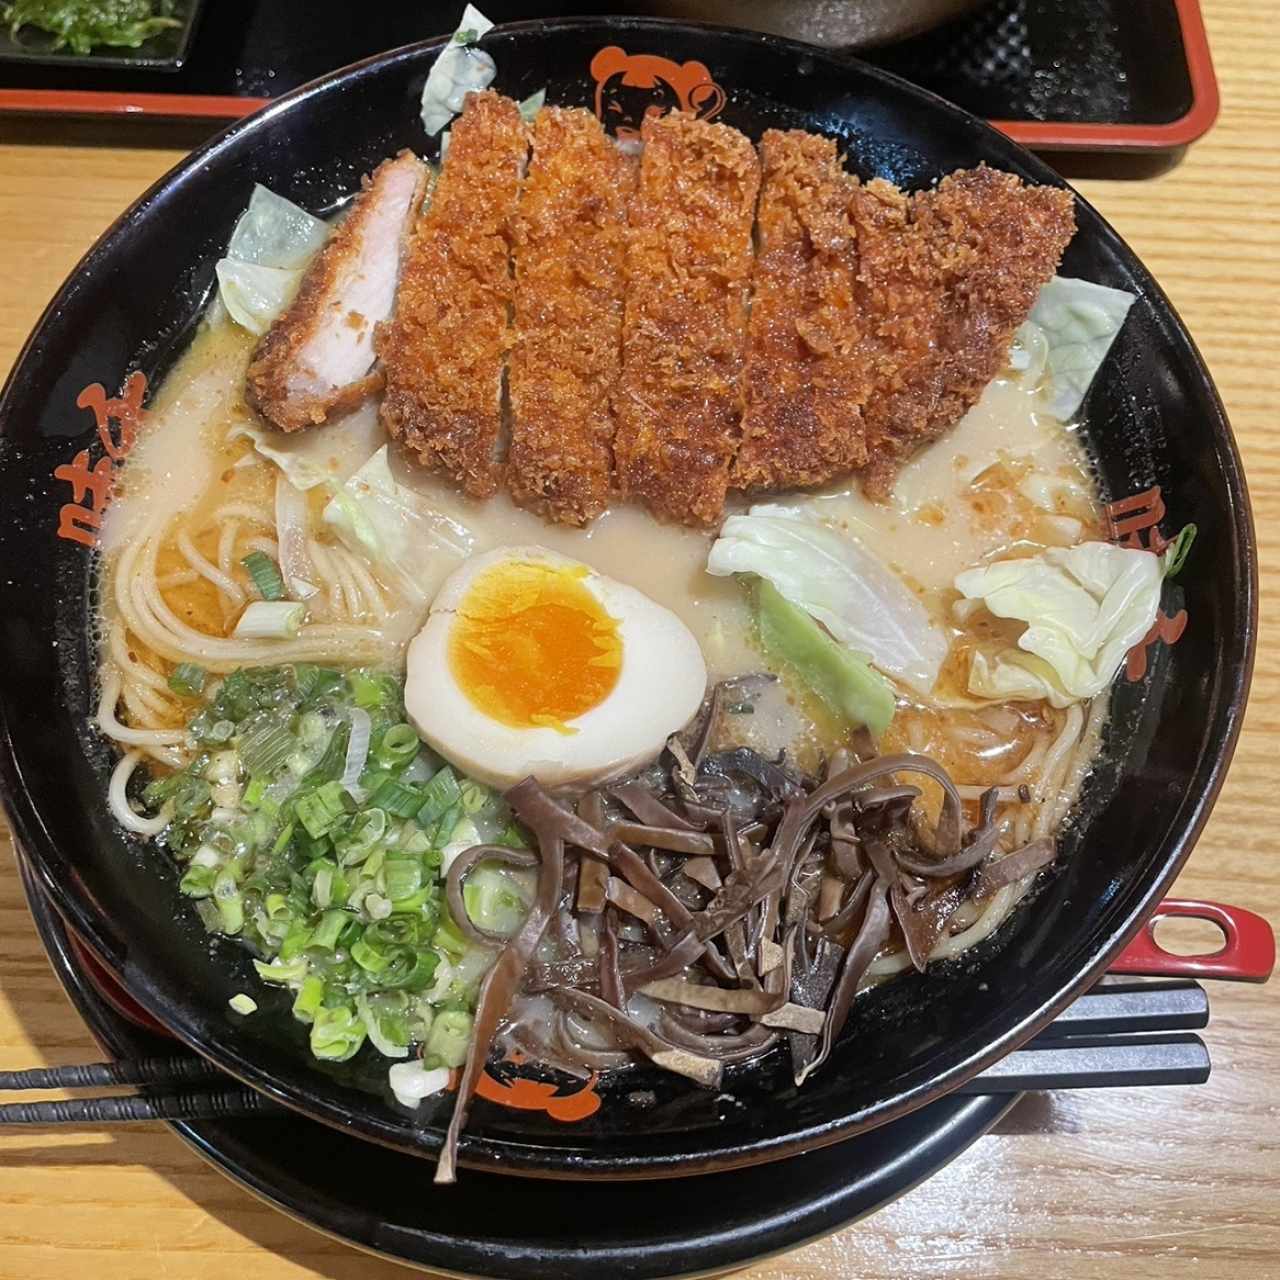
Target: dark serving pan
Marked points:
1163	450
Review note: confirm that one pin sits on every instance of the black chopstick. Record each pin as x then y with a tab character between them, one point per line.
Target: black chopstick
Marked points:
210	1104
1117	1006
1097	1062
97	1075
1122	1033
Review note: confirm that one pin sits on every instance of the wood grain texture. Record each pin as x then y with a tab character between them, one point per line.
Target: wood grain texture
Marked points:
1144	1184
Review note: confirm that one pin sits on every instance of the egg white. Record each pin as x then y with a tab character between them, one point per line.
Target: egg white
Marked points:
660	686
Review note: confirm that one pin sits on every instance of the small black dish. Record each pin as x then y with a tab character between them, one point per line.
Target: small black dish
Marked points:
166	51
1154	425
379	1200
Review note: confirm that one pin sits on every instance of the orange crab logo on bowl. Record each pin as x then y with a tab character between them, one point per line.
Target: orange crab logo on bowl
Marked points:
632	87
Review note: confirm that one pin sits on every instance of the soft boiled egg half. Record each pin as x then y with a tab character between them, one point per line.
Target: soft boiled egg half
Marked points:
533	663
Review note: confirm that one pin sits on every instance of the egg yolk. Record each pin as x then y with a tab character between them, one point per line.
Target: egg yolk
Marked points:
532	647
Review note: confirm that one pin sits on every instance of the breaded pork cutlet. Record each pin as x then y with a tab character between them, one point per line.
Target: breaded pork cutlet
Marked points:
317	360
805	384
443	351
570	239
979	247
678	402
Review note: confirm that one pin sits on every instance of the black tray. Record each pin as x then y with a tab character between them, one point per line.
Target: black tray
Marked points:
379	1200
1054	74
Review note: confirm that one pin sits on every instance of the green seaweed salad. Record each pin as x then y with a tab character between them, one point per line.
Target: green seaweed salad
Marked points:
83	25
313	826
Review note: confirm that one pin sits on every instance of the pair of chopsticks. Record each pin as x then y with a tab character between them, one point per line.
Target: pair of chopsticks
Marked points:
178	1088
1125	1032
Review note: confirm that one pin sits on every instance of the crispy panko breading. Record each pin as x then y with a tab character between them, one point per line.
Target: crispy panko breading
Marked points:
952	293
805	381
570	241
317	360
443	351
678	402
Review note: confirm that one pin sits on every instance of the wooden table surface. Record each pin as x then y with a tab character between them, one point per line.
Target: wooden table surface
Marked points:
1157	1183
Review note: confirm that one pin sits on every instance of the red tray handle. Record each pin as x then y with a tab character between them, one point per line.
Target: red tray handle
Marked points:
1247	955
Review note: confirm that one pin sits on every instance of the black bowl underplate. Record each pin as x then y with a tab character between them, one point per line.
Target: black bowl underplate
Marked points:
379	1200
1154	420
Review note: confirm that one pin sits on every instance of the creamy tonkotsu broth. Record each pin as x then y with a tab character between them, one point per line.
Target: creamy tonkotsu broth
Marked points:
389	731
1009	480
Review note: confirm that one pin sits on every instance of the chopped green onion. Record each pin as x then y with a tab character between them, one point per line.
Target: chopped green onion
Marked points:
325	935
449	938
265	574
449	1037
197	881
387	1027
399	799
336	1034
369	958
265	745
492	901
318	810
398	746
372	691
512	837
412	904
330	765
295	941
308	999
339	897
403	876
187	679
473	797
366	831
270	620
439	795
254	794
227	898
242	1003
322	886
283	972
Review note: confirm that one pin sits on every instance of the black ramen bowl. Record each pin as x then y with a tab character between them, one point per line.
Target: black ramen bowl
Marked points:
1155	428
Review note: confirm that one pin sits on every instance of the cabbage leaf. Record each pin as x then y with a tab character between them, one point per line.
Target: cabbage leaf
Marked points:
458	69
842	679
834	578
1066	338
311	458
255	296
268	251
1085	607
379	518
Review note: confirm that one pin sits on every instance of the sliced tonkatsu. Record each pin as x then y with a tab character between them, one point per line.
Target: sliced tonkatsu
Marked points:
980	247
679	399
444	349
805	381
318	359
570	239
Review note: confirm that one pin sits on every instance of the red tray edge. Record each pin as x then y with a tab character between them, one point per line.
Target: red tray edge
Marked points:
1039	135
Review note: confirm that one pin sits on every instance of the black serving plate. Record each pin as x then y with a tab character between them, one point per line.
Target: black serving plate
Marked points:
166	51
487	1225
1154	425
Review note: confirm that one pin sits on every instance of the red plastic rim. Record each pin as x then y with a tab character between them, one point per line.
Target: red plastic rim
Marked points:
1247	955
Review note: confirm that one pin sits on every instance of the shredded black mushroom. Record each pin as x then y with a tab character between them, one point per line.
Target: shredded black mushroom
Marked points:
720	902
